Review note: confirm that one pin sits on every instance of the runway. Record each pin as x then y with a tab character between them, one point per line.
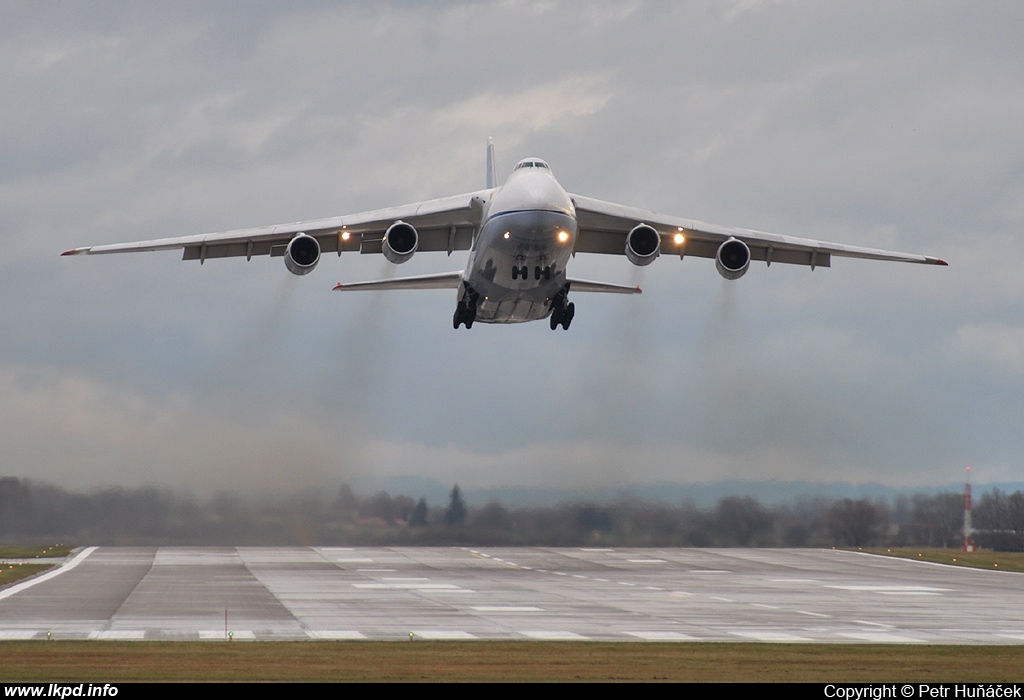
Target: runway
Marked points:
776	595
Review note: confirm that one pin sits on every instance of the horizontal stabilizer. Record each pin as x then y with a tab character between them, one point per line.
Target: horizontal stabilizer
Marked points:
604	287
444	280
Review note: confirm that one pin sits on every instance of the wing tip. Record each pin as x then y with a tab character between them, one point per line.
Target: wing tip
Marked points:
338	286
75	251
940	261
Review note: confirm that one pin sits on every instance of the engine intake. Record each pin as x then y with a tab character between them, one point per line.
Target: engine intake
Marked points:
302	254
732	259
643	244
400	242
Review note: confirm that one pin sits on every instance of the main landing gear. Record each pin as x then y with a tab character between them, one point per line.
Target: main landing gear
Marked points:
465	311
562	310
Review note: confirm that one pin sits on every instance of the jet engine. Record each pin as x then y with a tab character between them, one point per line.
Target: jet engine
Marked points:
302	254
400	242
642	245
732	259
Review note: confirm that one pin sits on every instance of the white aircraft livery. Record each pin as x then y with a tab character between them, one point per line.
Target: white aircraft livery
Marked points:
520	237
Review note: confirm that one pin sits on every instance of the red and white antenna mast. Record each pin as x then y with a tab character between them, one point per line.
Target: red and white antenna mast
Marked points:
968	530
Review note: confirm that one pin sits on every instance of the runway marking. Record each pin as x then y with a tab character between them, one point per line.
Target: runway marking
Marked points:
353	560
579	576
661	636
1012	635
506	608
708	571
443	634
119	635
893	590
17	634
66	566
408	586
371	571
793	580
596	549
762	605
602	580
406	578
881	637
646	561
172	557
335	634
454	590
552	635
874	624
812	614
219	636
724	600
769	636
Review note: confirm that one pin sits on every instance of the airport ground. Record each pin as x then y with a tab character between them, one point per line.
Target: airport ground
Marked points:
111	662
448	613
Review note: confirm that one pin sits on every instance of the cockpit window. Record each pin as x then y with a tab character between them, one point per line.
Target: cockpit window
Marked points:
531	164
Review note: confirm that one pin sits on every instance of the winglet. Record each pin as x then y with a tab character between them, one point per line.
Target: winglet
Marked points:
492	177
76	251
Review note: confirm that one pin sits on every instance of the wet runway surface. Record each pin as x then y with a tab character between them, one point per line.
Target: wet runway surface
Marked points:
786	595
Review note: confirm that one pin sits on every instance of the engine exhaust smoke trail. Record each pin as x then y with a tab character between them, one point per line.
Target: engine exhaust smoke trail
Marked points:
609	389
723	373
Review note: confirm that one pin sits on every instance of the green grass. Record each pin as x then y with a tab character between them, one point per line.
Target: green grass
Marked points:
30	552
503	661
1000	561
12	573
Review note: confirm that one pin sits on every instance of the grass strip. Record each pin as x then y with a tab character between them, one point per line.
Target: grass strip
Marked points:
987	559
504	661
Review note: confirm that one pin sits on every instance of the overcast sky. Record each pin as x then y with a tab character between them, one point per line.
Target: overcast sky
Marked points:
893	125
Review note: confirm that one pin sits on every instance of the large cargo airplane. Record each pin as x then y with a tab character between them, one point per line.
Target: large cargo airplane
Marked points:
520	236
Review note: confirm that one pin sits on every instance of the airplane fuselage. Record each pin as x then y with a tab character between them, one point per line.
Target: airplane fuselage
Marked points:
516	268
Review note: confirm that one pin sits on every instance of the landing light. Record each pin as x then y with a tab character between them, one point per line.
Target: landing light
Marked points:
506	235
679	238
563	236
344	235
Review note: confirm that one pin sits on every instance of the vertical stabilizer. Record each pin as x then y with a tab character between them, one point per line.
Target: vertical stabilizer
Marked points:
492	180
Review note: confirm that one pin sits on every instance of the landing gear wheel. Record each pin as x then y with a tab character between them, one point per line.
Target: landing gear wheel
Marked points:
464	314
567	315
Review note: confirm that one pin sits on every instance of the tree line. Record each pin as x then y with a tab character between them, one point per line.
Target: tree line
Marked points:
31	511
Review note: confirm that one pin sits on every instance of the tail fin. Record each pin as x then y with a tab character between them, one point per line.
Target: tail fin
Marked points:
492	180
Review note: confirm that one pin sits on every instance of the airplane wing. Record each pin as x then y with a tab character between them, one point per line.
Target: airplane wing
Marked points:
578	285
443	280
603	227
443	224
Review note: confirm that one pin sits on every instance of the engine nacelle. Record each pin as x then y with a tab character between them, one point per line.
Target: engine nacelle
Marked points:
400	242
643	244
732	259
302	254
